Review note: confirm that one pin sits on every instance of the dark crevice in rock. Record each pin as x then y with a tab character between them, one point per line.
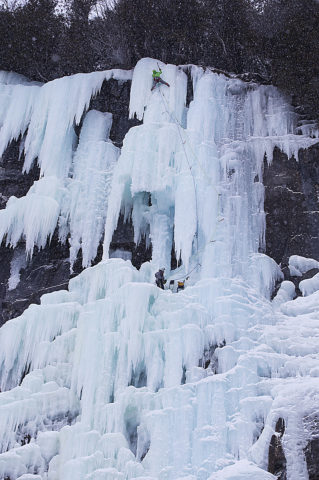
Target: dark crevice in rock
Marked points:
123	240
311	450
12	180
276	456
114	98
183	379
190	91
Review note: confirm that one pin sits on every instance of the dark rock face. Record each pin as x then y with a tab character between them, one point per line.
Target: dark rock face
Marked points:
12	180
276	456
123	239
292	206
114	97
312	449
292	226
49	269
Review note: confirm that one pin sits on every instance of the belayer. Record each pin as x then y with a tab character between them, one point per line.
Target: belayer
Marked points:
159	278
157	79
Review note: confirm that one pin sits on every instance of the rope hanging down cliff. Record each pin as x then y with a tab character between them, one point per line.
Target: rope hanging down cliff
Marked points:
179	128
188	163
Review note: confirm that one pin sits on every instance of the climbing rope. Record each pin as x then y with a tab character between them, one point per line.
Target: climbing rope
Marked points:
179	125
179	128
188	163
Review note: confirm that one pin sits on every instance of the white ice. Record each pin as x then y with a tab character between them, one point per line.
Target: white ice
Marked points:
118	379
18	262
68	175
243	470
93	165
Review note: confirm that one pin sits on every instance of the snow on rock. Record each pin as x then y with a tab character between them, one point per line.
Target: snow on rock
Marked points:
242	470
310	285
299	306
300	265
286	292
116	378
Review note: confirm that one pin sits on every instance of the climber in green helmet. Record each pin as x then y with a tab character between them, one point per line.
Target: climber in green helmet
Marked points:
157	79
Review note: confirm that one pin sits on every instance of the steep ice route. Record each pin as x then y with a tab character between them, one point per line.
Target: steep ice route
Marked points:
117	379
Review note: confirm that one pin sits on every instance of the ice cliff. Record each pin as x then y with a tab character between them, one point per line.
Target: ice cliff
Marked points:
115	378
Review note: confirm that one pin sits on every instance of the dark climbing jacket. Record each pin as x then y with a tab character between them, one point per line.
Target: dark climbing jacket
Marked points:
159	276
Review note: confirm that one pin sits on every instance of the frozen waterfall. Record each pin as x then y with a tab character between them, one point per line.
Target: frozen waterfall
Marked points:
115	378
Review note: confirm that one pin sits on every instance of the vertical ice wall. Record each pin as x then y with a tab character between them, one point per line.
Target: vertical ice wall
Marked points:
93	164
193	176
117	379
44	117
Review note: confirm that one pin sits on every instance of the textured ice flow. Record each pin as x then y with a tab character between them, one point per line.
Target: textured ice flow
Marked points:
117	379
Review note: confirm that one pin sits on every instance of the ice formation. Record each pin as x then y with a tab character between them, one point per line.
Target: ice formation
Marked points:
117	379
45	116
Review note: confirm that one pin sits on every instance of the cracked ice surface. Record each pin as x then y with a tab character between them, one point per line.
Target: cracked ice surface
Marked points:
117	379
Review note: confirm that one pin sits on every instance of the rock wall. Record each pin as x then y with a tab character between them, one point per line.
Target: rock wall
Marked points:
311	451
292	228
292	207
276	456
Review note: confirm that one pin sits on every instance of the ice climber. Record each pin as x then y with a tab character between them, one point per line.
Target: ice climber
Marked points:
160	280
157	79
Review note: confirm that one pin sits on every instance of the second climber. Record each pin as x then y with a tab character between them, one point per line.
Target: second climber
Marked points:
159	278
